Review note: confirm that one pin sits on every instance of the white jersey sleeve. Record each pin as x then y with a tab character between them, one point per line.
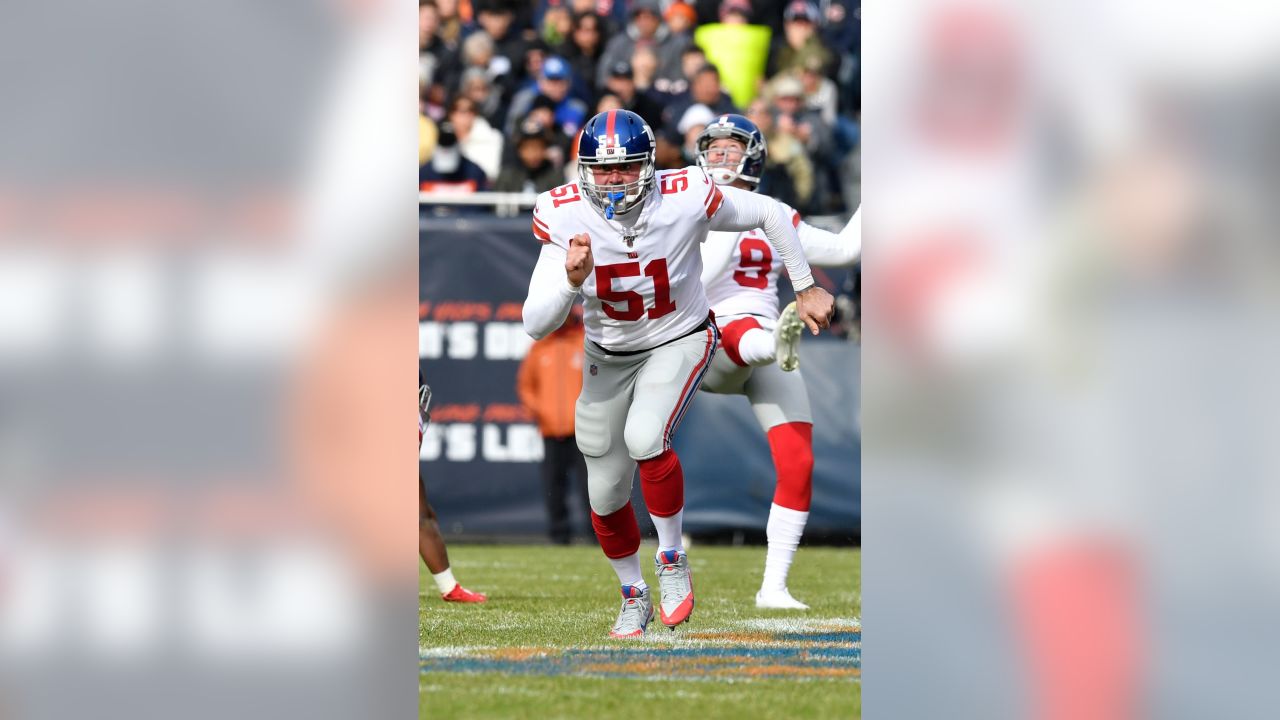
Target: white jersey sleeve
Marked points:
743	210
828	249
550	293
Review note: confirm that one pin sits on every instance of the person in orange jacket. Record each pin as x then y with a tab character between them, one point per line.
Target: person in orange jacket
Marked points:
548	383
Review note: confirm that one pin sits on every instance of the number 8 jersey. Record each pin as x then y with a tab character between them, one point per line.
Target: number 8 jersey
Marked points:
645	288
741	273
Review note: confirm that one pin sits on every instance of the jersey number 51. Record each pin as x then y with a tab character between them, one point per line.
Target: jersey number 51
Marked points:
628	304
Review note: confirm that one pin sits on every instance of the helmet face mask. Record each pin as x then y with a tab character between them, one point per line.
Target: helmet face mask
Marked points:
746	165
616	137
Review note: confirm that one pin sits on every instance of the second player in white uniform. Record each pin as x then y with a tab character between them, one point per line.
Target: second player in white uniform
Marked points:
627	239
740	274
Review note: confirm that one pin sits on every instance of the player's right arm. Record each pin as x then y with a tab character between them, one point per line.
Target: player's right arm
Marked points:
551	291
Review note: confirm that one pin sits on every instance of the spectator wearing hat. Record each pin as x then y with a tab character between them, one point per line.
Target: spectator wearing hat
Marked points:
787	93
691	124
646	27
447	170
543	114
536	53
806	125
819	91
621	83
534	169
553	83
681	18
788	172
799	41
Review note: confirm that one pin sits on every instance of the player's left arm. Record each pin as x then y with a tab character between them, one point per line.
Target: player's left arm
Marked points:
742	210
828	249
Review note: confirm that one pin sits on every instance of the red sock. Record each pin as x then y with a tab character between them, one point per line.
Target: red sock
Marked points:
791	445
732	334
1075	675
618	532
662	484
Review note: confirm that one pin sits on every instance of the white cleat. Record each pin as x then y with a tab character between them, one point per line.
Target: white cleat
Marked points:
778	600
786	337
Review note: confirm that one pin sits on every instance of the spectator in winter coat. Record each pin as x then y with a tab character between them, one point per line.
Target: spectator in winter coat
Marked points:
479	143
534	171
548	383
554	84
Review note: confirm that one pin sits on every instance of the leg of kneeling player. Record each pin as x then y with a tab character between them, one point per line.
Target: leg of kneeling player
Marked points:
665	387
781	405
435	556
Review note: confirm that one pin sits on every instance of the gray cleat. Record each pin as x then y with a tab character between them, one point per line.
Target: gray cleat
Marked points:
786	336
676	583
636	612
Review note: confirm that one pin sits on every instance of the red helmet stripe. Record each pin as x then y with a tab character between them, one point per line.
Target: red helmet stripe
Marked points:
610	125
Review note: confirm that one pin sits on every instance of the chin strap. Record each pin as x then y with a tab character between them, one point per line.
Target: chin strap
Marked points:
613	198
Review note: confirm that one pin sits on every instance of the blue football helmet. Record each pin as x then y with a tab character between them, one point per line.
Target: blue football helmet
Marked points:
746	167
611	138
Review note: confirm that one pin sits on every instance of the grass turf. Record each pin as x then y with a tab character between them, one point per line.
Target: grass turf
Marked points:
538	647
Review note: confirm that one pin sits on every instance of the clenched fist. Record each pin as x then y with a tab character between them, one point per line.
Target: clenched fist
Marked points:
578	264
815	307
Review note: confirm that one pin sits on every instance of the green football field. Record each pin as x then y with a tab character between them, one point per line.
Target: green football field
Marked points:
540	647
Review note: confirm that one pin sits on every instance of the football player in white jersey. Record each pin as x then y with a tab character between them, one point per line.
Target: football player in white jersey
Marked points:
740	274
627	238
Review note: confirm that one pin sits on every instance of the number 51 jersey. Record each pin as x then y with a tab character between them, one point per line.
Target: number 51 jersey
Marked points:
646	292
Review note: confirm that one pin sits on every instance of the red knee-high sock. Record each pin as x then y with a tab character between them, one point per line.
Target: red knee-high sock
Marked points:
791	445
1080	675
662	484
618	532
732	334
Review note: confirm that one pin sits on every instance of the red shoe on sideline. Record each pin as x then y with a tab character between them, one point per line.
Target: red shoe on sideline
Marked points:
463	595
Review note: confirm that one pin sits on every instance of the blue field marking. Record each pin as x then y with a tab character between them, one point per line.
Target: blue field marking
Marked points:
835	654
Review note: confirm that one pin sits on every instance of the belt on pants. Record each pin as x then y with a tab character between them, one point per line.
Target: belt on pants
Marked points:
711	317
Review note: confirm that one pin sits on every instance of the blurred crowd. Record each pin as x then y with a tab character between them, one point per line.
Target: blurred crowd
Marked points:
505	86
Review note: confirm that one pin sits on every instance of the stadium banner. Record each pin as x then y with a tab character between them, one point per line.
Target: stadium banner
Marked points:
481	454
